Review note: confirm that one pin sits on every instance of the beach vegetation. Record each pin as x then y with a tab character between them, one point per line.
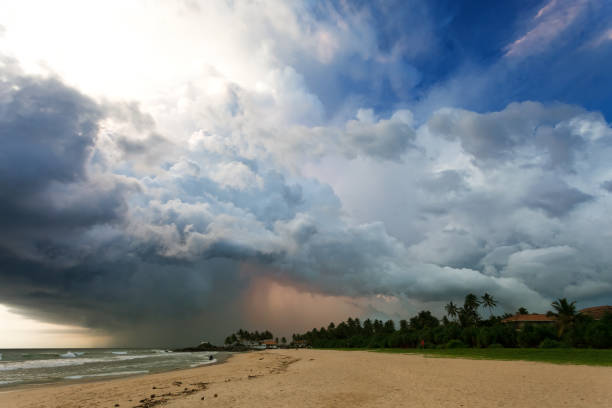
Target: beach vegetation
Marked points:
245	337
464	327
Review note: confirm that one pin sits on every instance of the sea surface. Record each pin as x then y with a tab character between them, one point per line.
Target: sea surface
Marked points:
42	366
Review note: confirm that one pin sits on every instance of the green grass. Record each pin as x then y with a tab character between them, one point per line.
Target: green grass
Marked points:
593	357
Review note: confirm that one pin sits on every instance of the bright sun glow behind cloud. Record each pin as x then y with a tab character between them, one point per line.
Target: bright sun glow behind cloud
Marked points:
132	50
21	332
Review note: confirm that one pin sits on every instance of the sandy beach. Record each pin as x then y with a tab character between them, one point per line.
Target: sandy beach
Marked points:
321	378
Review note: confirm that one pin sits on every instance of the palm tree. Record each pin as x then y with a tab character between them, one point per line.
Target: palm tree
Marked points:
489	302
451	310
565	312
471	302
468	314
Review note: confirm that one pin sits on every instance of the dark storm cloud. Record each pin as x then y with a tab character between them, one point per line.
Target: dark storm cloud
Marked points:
47	131
47	135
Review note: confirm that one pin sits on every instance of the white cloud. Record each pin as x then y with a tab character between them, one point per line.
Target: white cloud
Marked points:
236	175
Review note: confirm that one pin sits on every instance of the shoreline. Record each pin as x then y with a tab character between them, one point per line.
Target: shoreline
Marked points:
315	378
220	357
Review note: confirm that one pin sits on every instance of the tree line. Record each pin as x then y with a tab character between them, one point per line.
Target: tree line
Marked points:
244	336
465	326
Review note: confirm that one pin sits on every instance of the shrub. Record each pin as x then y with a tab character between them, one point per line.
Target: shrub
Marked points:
496	345
550	343
469	335
455	344
531	336
599	335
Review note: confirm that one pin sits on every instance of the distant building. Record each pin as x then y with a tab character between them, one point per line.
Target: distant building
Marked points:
520	320
255	345
596	312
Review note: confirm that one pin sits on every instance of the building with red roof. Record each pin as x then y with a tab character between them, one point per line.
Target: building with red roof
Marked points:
596	312
520	320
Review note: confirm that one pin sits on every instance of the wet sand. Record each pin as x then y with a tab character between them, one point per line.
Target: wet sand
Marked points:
323	378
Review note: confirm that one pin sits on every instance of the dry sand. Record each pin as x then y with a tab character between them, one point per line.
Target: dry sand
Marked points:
320	378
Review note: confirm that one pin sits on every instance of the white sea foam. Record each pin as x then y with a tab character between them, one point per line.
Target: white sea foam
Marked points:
70	359
78	377
0	356
54	362
204	363
8	382
119	352
136	357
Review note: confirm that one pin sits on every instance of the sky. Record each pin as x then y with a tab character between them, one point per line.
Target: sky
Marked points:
174	171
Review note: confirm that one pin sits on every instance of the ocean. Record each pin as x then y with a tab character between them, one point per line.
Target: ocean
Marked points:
42	366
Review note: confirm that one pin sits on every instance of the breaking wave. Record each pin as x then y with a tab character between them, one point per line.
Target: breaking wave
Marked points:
78	377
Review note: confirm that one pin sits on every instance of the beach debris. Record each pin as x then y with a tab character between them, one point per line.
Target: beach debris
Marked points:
200	385
202	398
117	405
215	395
154	399
154	387
150	402
177	383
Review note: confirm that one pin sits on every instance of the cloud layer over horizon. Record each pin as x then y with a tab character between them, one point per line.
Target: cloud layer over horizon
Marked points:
308	148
